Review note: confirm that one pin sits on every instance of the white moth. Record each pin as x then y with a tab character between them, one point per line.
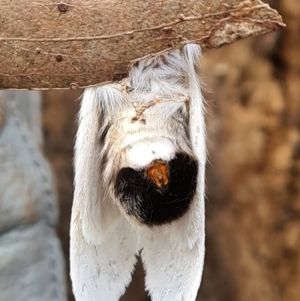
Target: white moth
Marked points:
139	182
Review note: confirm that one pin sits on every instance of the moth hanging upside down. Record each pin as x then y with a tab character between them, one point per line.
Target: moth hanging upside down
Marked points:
139	182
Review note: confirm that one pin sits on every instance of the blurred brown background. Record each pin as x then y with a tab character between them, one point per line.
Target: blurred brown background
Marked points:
253	173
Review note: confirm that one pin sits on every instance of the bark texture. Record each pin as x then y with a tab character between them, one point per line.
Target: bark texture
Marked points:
45	44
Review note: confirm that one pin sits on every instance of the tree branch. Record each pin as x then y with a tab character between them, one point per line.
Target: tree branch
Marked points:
81	43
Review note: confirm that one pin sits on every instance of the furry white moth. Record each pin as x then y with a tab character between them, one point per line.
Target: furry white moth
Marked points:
139	182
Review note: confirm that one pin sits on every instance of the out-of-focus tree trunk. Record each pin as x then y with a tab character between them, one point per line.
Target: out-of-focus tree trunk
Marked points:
253	203
59	114
31	265
29	104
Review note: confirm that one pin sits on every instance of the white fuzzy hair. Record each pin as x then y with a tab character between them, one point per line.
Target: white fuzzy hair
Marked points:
104	241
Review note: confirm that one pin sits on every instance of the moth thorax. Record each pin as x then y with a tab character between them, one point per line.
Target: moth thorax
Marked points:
160	192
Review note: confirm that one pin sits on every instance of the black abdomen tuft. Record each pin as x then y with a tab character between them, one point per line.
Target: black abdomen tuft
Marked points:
152	204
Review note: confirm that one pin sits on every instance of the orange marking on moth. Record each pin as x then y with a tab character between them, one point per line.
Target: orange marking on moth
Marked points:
158	172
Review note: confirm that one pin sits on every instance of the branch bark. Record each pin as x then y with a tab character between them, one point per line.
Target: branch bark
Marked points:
48	45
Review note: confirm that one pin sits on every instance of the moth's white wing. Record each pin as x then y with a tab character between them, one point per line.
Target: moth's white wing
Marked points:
173	270
102	272
103	244
174	256
195	219
95	212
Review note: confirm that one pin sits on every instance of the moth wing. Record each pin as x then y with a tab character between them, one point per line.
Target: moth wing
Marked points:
173	270
102	272
195	219
174	256
98	215
103	244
